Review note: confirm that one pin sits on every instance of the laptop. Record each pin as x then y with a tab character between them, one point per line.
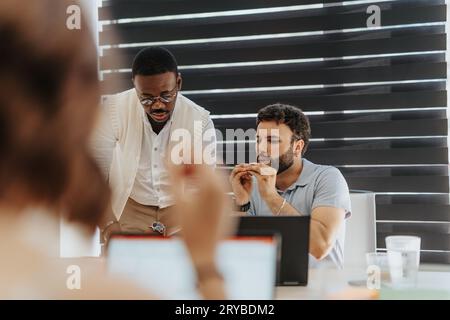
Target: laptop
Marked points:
294	232
162	265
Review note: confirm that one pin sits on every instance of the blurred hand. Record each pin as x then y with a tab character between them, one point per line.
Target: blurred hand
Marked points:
201	212
241	183
105	236
107	232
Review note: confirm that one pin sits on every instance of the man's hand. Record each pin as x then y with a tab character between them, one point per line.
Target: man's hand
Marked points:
266	176
241	183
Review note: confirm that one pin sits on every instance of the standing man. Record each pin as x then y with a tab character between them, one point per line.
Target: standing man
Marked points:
295	186
137	131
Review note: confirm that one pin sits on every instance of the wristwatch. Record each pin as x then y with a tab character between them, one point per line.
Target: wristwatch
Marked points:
243	208
158	227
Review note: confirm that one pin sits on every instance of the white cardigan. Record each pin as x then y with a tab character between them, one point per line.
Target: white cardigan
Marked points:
117	140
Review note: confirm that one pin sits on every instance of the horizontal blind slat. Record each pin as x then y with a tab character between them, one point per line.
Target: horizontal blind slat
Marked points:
222	53
412	212
266	24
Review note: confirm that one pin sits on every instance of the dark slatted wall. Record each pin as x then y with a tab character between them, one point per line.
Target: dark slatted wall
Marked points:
376	97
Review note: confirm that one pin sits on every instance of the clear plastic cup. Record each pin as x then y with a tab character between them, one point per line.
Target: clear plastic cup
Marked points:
403	268
380	260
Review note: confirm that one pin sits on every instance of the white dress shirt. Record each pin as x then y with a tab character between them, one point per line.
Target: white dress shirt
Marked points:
123	134
152	186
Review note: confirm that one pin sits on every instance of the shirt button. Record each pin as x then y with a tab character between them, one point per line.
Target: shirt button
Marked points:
156	149
155	166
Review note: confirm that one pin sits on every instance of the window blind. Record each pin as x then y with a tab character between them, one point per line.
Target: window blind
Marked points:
376	96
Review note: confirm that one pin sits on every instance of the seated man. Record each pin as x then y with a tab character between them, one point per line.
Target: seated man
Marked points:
282	182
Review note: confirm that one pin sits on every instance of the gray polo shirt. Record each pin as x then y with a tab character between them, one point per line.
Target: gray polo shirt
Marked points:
317	186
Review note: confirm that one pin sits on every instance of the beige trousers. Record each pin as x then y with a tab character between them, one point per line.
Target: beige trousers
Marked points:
138	218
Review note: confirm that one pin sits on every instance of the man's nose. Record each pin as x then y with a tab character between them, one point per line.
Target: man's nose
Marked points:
262	147
158	105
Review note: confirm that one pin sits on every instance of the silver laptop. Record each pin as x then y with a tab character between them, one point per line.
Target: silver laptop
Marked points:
162	265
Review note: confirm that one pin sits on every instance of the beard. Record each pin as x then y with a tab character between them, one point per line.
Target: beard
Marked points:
284	161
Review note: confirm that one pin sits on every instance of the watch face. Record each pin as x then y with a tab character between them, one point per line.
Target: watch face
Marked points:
158	227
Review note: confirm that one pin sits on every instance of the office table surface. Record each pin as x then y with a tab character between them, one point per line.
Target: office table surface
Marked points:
433	283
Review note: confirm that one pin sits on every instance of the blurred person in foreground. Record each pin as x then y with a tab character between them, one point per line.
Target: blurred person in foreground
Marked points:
48	107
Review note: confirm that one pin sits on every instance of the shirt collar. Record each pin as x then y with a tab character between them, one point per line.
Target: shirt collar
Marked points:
306	176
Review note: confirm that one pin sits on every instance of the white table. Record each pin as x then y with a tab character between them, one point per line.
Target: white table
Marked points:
433	283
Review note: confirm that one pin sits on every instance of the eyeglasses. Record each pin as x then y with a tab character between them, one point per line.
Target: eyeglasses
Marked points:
165	98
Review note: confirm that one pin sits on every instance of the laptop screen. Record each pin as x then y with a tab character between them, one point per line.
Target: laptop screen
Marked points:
162	265
294	231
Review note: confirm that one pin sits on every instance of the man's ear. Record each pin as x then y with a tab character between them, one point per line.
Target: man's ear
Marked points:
298	147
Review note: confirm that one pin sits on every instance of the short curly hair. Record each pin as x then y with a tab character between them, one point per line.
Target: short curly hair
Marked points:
154	60
291	116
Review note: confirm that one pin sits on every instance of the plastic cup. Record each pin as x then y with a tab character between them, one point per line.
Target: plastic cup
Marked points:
403	267
380	260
